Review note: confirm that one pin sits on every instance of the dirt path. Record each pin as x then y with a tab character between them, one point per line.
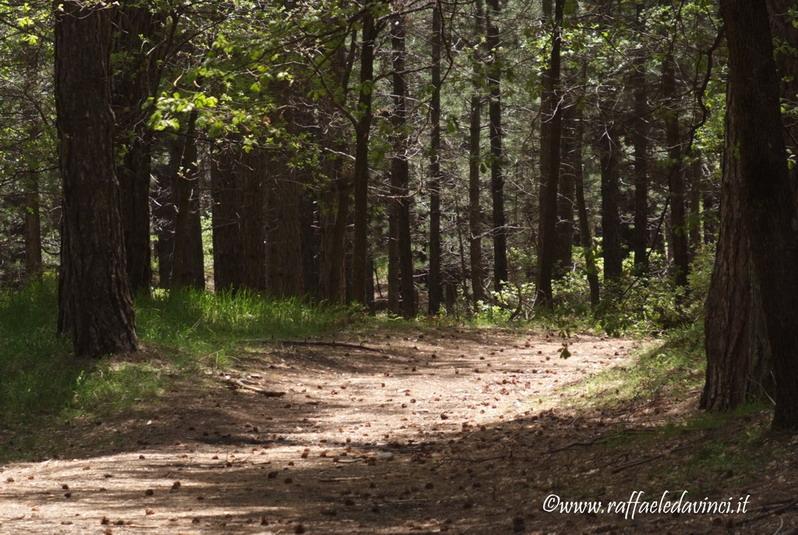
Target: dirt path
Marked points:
445	430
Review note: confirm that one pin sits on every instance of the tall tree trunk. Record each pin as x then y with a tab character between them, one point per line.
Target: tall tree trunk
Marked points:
360	254
434	286
609	150
474	166
494	68
95	304
709	215
736	342
253	172
32	228
332	264
165	212
401	247
694	219
550	141
675	170
759	157
640	144
581	207
187	260
136	53
474	208
226	214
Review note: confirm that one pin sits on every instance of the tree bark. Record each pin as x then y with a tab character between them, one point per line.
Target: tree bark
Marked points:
474	168
226	214
694	219
585	235
332	264
187	259
401	254
434	285
360	254
494	66
609	150
32	228
136	53
675	170
550	141
640	144
759	156
95	304
736	342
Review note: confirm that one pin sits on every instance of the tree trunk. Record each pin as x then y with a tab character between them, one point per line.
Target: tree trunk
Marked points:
675	170
136	53
253	171
759	158
434	287
474	208
360	268
694	219
165	214
609	150
187	260
401	275
32	228
550	141
736	342
581	208
335	208
474	168
95	304
640	144
226	213
494	68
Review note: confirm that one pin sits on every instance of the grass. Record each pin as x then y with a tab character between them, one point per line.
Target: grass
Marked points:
180	332
713	449
674	367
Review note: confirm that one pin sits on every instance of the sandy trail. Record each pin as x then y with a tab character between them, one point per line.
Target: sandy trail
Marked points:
423	432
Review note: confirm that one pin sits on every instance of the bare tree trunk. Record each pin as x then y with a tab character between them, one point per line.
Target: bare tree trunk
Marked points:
336	211
736	341
253	170
609	150
694	219
188	269
759	158
400	277
640	143
474	165
95	305
226	197
581	207
494	67
360	271
550	141
137	49
32	229
679	245
434	285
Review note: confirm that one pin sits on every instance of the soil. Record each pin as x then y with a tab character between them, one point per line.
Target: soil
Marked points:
424	431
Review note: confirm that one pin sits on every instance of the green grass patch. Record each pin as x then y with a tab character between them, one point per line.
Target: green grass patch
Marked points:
675	366
180	332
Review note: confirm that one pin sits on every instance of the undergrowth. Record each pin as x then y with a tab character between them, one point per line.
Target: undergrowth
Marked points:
179	332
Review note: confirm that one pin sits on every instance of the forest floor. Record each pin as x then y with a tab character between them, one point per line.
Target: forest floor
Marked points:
421	430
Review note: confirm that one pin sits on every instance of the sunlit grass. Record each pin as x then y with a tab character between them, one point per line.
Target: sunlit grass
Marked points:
179	331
